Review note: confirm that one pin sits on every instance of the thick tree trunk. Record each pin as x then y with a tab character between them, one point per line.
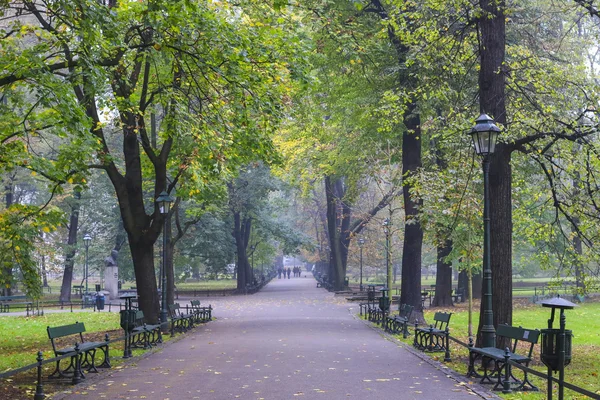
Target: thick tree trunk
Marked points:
413	233
65	289
492	101
142	253
443	277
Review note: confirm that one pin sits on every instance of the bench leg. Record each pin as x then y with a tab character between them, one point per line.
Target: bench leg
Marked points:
106	361
471	370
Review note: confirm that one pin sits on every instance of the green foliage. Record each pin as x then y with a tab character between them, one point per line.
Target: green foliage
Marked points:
20	228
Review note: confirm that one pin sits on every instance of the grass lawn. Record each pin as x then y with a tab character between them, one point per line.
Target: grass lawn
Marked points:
584	321
22	337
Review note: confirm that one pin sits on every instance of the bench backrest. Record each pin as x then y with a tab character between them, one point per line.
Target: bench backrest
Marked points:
518	334
441	320
406	311
11	298
195	303
139	317
65	330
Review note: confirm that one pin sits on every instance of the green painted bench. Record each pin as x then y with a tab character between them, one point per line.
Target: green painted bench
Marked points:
436	337
399	322
202	313
180	321
501	374
144	335
87	350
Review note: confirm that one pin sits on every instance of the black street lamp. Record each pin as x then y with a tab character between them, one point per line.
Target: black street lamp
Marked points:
164	203
388	270
485	134
86	241
253	247
361	242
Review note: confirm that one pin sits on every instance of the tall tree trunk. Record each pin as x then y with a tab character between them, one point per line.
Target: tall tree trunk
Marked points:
413	233
65	289
142	254
443	277
492	101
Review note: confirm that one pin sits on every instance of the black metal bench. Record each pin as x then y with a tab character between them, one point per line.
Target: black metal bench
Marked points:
436	336
499	358
395	323
83	353
202	314
144	335
180	321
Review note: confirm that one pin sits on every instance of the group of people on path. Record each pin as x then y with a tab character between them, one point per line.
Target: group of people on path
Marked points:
288	271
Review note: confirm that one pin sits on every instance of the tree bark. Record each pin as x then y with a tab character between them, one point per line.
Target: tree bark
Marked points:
65	289
443	277
142	253
413	233
492	101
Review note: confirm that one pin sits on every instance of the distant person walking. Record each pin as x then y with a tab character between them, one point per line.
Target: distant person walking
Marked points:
289	272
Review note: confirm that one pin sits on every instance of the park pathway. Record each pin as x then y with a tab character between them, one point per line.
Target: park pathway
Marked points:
290	341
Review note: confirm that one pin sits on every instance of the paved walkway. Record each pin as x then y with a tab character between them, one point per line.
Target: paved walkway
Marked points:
290	341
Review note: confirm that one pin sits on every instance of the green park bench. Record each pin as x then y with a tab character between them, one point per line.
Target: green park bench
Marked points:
203	314
436	336
144	335
399	322
501	370
180	321
86	351
17	301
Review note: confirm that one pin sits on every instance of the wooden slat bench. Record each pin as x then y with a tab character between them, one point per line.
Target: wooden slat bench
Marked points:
87	355
395	323
501	373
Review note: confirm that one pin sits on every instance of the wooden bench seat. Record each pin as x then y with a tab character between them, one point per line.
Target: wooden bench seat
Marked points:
83	353
501	374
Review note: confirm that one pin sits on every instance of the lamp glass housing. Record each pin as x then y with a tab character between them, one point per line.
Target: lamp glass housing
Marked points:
485	135
164	202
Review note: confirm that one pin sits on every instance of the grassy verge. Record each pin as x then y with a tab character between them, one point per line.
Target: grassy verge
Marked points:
22	337
584	369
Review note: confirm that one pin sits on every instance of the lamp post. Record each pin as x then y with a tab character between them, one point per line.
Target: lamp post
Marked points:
86	240
361	242
253	247
164	203
388	270
485	134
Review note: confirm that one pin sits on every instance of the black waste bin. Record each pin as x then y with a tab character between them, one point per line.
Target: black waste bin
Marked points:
100	301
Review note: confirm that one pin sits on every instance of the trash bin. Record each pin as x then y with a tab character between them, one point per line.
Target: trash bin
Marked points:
100	301
98	288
